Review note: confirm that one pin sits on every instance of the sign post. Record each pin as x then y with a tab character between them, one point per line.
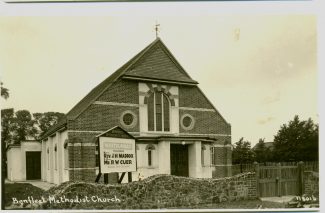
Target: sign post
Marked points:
116	153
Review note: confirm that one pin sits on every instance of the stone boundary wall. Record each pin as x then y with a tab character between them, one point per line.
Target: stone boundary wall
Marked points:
158	191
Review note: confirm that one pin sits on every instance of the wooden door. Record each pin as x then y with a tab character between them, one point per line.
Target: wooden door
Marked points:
33	165
179	160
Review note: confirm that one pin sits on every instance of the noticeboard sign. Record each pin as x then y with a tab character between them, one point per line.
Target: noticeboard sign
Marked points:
117	155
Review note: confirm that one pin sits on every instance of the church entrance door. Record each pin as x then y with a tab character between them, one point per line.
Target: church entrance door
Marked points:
179	160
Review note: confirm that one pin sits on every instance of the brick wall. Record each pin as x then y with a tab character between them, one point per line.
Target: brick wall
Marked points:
190	96
122	91
99	117
102	117
82	160
220	155
222	162
206	123
88	175
229	156
82	137
221	171
221	139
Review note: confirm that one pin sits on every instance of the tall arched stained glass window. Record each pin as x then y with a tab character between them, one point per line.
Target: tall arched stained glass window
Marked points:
151	113
158	112
166	113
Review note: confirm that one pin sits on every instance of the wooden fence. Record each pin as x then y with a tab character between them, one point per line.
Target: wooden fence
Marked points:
242	168
277	179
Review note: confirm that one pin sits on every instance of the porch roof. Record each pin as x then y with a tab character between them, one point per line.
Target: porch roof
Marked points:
175	138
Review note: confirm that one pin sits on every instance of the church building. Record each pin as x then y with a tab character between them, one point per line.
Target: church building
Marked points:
177	130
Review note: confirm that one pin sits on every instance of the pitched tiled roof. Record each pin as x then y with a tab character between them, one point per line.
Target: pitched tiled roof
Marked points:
159	63
99	89
155	62
141	59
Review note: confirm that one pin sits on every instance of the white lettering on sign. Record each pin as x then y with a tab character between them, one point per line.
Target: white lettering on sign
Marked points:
117	155
117	146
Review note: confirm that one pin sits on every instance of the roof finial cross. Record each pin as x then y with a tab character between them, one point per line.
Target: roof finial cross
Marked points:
157	29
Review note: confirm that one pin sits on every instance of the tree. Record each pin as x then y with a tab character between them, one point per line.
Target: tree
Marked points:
297	141
7	116
44	121
4	91
23	126
260	151
242	153
18	126
6	125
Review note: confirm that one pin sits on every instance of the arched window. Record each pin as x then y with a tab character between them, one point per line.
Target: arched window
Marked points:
55	157
202	154
66	154
97	155
150	148
212	158
158	112
48	158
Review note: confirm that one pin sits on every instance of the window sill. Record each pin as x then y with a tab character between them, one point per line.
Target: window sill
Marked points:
150	133
159	132
148	167
151	167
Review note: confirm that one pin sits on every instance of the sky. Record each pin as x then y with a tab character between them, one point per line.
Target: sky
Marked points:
258	70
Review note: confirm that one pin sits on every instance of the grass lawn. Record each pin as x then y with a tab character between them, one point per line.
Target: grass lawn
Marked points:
20	191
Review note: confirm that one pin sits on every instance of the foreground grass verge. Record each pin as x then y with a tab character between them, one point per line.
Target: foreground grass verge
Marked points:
21	191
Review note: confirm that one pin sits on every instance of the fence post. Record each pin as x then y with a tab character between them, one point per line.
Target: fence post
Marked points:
257	176
278	179
301	177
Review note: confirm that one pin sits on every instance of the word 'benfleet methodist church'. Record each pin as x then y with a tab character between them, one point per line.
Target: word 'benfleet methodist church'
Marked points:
177	130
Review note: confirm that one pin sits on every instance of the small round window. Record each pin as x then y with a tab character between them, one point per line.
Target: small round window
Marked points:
128	119
187	122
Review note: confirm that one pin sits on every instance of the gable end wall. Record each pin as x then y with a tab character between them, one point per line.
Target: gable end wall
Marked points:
98	117
206	122
122	91
101	117
190	96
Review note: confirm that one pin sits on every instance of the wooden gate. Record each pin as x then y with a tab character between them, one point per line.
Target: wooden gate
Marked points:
279	180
